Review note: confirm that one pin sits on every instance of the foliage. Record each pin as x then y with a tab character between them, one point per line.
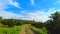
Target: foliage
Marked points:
38	24
0	19
11	22
53	25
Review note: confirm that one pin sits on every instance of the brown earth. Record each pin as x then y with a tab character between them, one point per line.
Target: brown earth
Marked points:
27	30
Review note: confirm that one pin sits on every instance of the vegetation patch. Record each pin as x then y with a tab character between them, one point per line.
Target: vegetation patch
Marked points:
39	30
12	30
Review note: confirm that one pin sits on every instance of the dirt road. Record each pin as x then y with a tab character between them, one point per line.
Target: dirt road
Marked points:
27	30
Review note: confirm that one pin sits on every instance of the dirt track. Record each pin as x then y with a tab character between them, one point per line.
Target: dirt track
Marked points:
27	30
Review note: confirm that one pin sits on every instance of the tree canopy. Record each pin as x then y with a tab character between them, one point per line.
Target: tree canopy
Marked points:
53	25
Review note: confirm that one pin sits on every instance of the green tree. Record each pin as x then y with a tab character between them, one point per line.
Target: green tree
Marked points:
0	19
53	25
9	22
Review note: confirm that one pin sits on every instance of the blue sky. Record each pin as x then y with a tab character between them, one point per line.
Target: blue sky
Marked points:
38	10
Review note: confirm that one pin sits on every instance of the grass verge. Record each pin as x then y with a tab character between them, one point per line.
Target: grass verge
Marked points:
39	30
12	30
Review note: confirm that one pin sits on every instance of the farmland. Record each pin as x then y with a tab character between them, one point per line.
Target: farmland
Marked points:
25	28
16	26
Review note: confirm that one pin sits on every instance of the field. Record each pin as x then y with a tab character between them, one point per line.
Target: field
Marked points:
24	29
10	30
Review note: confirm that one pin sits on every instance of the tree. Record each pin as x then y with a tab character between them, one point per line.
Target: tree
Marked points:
53	25
0	19
9	22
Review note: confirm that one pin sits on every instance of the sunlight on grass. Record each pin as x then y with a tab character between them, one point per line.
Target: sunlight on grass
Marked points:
12	30
39	30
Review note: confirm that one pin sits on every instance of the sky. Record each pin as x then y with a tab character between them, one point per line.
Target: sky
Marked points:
38	10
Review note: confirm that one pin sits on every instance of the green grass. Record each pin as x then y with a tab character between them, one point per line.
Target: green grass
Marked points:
16	30
39	30
12	30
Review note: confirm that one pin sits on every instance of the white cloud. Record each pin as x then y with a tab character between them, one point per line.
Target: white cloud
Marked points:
6	14
4	5
14	3
32	2
38	15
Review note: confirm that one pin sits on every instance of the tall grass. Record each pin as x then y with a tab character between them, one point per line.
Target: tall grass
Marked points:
11	30
39	30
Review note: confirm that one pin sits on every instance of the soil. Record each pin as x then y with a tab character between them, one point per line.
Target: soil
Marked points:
27	30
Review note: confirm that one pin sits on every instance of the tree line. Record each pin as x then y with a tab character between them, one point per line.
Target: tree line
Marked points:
17	22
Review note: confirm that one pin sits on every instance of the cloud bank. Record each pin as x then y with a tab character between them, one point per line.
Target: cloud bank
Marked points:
37	15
